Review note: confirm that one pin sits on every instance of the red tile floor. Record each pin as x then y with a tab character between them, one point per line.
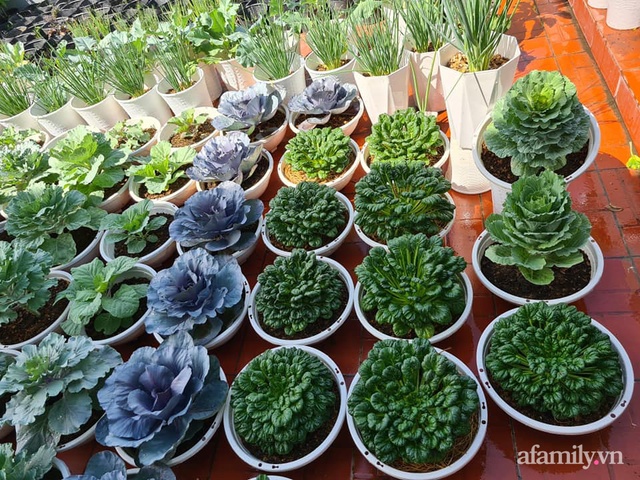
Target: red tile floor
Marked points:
550	39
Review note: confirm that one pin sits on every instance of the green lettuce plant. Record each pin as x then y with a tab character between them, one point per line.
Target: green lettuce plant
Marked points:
550	358
25	465
134	226
405	135
415	286
158	171
298	291
319	153
537	229
307	216
281	398
187	123
411	404
538	123
21	165
399	198
129	135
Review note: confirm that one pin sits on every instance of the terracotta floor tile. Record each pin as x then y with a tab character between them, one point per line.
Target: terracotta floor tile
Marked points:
587	192
606	232
626	328
528	63
567	47
624	193
632	238
617	291
557	32
612	156
536	47
613	133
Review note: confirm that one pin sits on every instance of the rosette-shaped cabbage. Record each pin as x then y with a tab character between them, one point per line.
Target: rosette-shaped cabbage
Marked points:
326	97
217	219
538	123
537	229
225	157
107	465
198	289
244	109
152	401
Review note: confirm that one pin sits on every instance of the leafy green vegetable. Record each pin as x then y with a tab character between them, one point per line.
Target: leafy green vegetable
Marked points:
406	135
281	398
25	465
135	226
537	229
162	168
128	135
415	286
12	137
94	298
399	198
538	123
187	122
44	217
319	152
20	165
297	291
307	216
550	358
411	404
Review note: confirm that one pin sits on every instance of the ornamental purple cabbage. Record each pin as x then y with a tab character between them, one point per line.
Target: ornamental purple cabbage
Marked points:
244	109
107	465
157	396
215	219
325	96
196	290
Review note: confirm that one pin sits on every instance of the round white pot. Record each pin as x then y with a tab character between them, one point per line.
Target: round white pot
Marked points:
149	104
61	467
118	200
177	198
153	259
259	188
343	74
212	79
208	435
246	456
436	474
500	188
272	477
7	428
22	120
338	183
103	115
292	84
197	95
442	164
85	437
168	129
54	327
145	122
347	128
134	331
598	3
623	14
225	335
234	76
241	256
271	142
85	256
453	328
325	250
591	250
621	404
442	234
59	121
254	316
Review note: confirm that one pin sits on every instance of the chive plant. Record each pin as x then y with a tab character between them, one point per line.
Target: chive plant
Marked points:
272	50
175	60
82	75
327	36
15	95
48	90
126	65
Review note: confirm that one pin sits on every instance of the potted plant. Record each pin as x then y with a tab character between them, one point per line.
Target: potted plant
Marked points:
157	432
325	155
220	221
311	216
85	161
161	176
22	165
107	302
141	230
15	100
554	369
191	128
399	198
202	294
232	157
301	299
106	465
64	224
11	136
136	135
476	68
33	465
414	289
257	111
259	422
406	135
326	102
539	124
424	417
538	248
28	289
44	415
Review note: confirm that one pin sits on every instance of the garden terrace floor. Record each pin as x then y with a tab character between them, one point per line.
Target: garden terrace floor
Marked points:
550	39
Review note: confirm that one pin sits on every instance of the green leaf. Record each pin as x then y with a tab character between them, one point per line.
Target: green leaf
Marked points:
70	413
62	249
124	303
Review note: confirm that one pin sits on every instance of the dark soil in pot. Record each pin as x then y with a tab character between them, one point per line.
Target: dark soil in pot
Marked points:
201	132
120	248
53	474
173	188
335	121
263	130
109	192
508	278
83	238
261	170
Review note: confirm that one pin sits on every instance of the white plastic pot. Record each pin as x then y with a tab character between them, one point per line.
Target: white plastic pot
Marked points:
271	142
254	316
177	198
234	76
118	200
623	14
22	120
453	328
153	259
145	122
59	121
616	411
598	3
88	254
343	74
325	250
427	74
348	128
103	115
292	84
436	474
168	129
149	104
212	79
591	250
197	95
500	188
247	457
61	467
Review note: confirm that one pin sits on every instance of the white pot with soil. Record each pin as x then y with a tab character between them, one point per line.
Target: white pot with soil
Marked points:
384	94
61	467
149	104
316	69
234	76
22	121
59	121
118	200
205	132
91	251
197	95
271	140
174	195
152	126
102	115
347	128
292	84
